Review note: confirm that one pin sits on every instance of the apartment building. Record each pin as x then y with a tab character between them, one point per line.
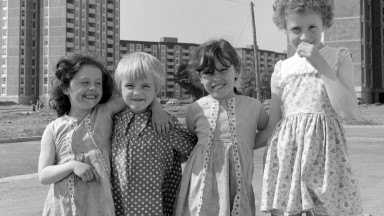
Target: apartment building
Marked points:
36	33
170	53
267	59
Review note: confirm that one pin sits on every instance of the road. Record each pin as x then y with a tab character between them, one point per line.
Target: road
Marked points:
24	195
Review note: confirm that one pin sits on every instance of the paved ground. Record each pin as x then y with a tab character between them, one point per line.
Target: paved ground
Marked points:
24	195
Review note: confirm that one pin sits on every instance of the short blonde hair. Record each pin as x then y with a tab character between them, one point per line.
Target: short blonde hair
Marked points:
139	66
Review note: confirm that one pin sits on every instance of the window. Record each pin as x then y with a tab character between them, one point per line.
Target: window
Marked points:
23	3
45	90
33	81
33	62
3	80
33	73
22	80
5	3
4	71
22	51
33	90
22	32
22	73
5	23
22	90
45	31
3	91
4	51
22	22
4	32
4	62
22	61
45	80
33	24
138	47
45	61
23	13
5	13
45	71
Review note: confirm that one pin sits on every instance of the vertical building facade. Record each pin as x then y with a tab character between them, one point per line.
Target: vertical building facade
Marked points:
20	50
170	53
58	28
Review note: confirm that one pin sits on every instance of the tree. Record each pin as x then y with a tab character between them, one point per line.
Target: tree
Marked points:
189	81
248	83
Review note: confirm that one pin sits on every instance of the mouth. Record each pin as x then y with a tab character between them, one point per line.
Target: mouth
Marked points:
217	86
90	97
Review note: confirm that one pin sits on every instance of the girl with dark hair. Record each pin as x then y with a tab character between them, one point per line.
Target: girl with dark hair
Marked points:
217	178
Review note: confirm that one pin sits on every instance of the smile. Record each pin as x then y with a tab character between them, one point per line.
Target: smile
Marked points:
90	97
217	87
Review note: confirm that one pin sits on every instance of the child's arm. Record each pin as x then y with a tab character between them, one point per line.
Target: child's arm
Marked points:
182	140
274	115
161	121
50	173
261	125
339	86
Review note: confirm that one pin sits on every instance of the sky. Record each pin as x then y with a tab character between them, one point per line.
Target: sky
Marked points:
196	21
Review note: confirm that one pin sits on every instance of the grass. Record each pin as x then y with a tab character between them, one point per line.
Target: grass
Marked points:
18	121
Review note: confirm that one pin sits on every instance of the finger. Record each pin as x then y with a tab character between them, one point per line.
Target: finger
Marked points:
96	175
170	121
166	128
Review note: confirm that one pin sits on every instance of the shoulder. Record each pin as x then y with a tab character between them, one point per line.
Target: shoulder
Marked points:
247	100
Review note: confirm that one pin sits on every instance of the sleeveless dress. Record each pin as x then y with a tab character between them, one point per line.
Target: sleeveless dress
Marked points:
307	166
217	178
87	141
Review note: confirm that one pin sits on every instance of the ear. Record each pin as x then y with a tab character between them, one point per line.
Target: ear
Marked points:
65	91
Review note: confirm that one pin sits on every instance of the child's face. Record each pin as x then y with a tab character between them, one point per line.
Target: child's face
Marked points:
221	83
138	94
304	27
85	89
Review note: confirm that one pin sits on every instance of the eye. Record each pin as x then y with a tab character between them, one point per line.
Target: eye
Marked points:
84	82
99	83
146	86
129	86
312	27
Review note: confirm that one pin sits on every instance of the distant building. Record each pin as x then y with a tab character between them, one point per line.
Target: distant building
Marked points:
267	59
170	53
36	33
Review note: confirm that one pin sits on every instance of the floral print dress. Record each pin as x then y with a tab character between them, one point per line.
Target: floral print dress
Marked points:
307	166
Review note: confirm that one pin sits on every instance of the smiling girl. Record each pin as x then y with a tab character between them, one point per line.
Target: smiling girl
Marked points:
75	147
217	179
307	167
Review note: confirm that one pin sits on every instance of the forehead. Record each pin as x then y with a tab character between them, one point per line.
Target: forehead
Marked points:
137	80
303	18
88	71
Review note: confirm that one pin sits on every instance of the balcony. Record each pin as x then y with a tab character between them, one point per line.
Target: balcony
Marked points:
70	6
70	45
90	38
185	57
91	29
70	16
91	48
109	59
109	32
170	57
109	50
91	20
70	35
110	15
110	24
109	41
70	25
91	11
110	7
170	77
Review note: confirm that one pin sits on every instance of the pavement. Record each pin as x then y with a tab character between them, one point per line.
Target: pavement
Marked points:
24	195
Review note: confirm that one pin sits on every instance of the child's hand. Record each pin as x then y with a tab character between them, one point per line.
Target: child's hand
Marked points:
85	172
311	53
162	123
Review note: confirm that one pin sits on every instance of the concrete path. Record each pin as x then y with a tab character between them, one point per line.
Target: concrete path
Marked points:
24	195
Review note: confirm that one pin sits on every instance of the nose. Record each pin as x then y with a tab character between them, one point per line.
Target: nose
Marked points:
305	36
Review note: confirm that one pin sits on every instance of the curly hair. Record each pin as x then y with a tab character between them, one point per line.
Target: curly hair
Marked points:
66	69
281	8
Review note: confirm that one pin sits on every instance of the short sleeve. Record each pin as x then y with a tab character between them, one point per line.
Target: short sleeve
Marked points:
276	77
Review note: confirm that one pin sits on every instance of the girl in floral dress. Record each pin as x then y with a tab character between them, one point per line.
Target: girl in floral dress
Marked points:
217	178
307	167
